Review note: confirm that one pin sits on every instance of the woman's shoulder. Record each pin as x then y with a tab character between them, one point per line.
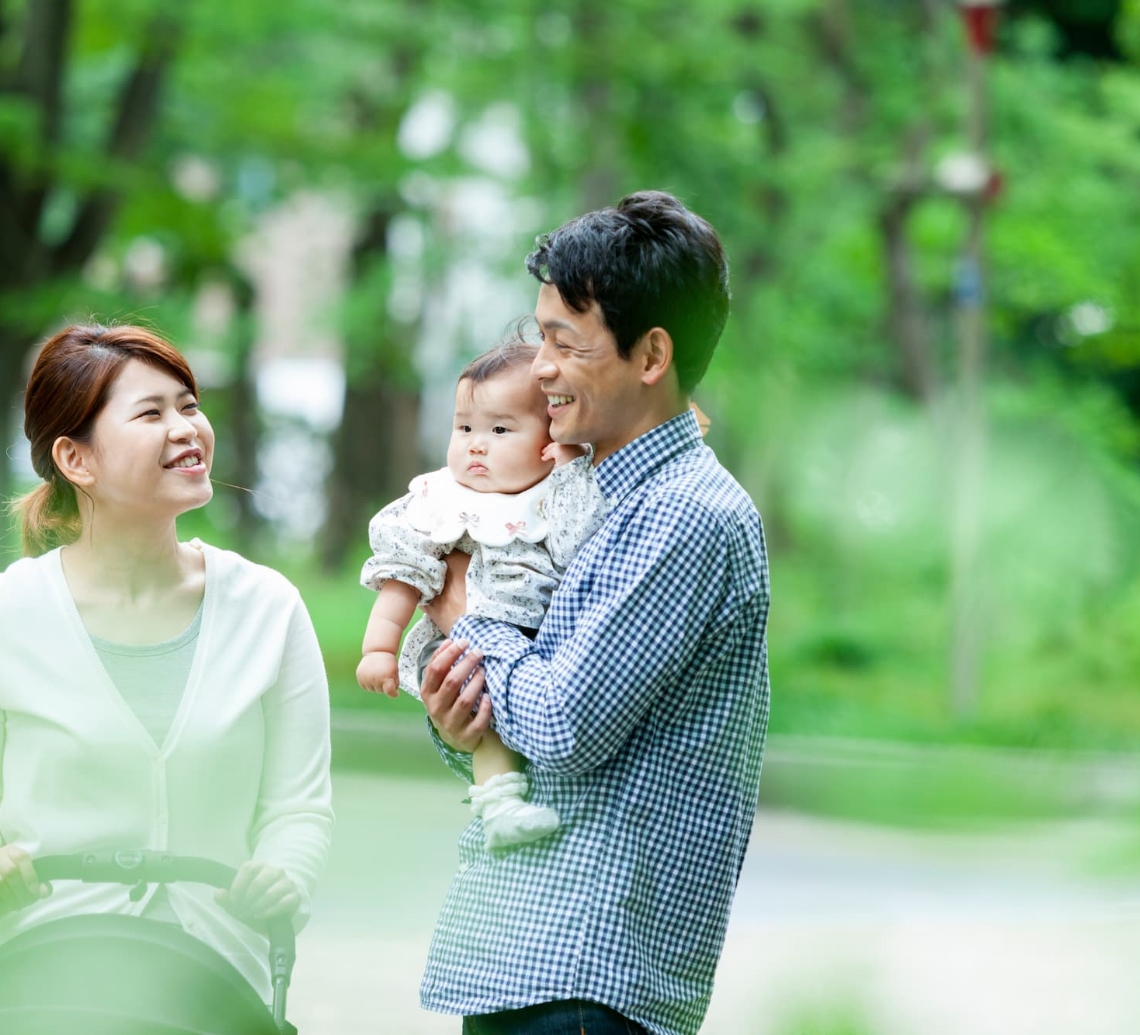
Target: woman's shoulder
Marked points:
242	577
23	575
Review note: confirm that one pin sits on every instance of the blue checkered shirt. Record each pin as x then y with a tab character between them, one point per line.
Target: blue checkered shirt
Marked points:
642	707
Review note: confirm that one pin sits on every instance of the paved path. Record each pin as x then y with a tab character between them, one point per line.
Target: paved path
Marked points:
837	928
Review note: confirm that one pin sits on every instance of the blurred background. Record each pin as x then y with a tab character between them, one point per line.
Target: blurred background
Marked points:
930	385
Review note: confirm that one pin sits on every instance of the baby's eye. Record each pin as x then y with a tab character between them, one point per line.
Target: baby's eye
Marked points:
498	429
465	428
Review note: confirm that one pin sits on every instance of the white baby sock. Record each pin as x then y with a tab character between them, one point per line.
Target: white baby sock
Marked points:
507	818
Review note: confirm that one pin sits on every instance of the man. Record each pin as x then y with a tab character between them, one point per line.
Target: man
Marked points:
642	704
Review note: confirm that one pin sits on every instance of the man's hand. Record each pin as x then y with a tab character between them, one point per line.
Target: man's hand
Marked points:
452	693
260	892
19	885
451	602
378	672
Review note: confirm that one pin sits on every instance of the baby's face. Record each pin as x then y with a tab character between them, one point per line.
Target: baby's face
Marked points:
499	432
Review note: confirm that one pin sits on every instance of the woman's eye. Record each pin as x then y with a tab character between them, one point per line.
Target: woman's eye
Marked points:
192	406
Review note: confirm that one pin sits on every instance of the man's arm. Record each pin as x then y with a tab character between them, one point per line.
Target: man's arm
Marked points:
645	618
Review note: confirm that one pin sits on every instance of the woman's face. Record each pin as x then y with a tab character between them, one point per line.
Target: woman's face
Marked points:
151	447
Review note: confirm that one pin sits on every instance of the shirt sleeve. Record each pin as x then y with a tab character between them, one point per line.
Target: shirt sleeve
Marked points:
292	826
642	621
459	762
400	552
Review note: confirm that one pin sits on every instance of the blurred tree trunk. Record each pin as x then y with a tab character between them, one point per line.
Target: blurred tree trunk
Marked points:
907	318
376	447
772	136
376	453
30	169
244	426
14	346
600	178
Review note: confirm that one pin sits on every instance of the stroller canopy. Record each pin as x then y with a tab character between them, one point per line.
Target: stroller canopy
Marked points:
122	975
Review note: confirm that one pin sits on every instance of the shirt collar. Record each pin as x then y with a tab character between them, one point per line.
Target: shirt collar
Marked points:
621	472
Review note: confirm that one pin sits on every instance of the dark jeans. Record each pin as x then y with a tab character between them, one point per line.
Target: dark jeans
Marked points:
569	1017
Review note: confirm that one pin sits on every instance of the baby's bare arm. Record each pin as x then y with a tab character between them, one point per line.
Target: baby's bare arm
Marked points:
562	454
378	669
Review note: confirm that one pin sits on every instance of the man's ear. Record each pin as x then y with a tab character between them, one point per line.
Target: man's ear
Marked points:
657	355
71	459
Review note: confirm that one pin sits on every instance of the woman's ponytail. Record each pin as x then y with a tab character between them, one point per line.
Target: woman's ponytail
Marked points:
48	515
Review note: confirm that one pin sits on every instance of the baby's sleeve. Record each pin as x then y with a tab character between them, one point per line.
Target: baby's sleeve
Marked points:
400	552
576	509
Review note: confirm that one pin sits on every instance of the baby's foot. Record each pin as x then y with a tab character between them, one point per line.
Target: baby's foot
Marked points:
508	819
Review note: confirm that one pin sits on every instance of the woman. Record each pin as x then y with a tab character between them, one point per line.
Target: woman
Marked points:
154	693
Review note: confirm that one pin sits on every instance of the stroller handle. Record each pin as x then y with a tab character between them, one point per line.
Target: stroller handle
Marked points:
140	867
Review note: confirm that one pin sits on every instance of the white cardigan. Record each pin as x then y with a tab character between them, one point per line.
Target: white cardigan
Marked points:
243	772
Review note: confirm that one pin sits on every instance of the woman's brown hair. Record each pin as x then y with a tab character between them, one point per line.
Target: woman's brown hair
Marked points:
69	386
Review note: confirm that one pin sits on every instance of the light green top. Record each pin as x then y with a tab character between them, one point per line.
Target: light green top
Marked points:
151	677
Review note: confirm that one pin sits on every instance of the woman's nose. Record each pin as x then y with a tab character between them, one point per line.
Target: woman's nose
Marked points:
181	428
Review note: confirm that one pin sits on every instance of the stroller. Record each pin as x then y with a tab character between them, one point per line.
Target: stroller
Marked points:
125	975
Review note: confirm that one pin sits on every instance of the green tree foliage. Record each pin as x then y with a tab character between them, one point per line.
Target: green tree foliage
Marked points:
810	132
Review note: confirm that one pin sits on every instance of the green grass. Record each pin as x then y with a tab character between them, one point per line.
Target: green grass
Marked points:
871	659
854	655
858	648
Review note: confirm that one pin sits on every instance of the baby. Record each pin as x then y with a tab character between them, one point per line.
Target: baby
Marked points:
521	506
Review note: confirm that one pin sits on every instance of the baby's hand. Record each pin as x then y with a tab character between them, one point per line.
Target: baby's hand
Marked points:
561	454
379	673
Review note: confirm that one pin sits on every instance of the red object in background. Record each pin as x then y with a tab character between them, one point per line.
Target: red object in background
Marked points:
995	183
981	24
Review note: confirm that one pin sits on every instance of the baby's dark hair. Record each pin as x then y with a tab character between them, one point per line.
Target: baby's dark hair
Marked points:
510	353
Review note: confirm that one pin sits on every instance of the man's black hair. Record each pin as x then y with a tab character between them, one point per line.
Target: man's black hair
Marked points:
648	262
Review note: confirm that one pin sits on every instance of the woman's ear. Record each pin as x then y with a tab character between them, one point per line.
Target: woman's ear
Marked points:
657	355
71	460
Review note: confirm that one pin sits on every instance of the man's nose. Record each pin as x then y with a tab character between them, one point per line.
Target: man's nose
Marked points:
543	368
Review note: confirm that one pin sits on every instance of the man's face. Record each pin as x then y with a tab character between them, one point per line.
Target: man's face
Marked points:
499	433
593	394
